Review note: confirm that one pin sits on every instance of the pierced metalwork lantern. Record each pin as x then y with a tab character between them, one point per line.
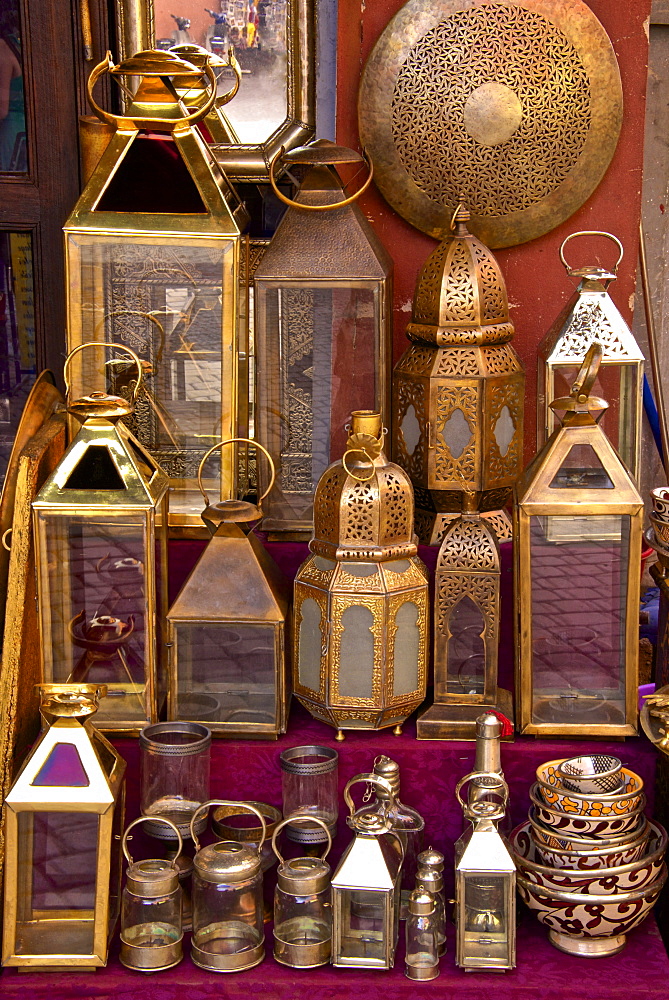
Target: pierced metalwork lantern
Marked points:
63	824
360	599
590	315
578	524
227	628
323	314
466	632
458	390
152	251
100	523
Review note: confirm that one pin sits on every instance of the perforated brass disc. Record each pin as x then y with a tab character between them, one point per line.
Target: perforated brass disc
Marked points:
515	105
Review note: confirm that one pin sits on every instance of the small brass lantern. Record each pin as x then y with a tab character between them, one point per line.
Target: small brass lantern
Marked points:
152	256
590	315
100	524
458	390
578	524
227	628
63	824
323	313
360	601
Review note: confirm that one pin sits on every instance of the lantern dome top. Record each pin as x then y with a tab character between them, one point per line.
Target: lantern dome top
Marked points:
322	152
460	294
470	545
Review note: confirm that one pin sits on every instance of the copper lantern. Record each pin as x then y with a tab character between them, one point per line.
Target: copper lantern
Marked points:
578	524
360	600
458	390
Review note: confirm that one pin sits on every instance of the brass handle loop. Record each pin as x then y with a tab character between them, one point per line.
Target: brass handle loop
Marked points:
102	343
367	779
359	451
206	806
497	786
232	64
592	232
5	544
318	208
152	819
587	373
221	444
301	818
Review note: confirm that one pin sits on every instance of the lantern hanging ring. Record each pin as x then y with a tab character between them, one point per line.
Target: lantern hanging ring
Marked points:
297	818
318	208
493	783
100	343
591	232
236	440
206	806
152	819
359	451
237	70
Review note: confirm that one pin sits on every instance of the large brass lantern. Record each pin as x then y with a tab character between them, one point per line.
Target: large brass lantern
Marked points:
360	603
458	390
323	309
63	825
578	522
100	523
152	250
590	315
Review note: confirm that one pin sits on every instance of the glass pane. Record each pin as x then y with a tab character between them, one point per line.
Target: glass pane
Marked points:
311	641
581	470
485	929
17	336
356	670
62	768
13	149
579	590
365	930
466	649
407	637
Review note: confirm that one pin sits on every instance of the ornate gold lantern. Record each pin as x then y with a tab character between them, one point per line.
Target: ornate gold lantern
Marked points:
590	315
578	523
458	390
152	250
227	628
323	310
100	523
466	632
360	600
63	824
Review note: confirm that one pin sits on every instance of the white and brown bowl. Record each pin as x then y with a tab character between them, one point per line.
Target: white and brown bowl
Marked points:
586	853
557	796
586	826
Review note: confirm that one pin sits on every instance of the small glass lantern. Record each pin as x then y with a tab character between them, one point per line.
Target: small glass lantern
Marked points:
421	961
590	315
323	315
227	628
309	785
100	523
360	605
578	518
175	765
63	824
366	887
152	256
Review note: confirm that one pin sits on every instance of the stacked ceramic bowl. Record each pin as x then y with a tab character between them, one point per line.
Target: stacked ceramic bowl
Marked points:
590	865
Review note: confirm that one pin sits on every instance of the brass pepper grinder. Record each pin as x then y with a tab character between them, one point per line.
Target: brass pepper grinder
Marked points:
421	959
407	823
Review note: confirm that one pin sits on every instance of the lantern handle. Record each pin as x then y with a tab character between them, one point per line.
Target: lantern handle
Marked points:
221	444
237	70
587	373
358	451
301	818
369	779
226	802
495	784
318	208
152	819
591	232
100	343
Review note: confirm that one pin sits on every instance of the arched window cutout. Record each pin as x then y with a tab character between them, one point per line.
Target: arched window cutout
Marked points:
466	648
407	646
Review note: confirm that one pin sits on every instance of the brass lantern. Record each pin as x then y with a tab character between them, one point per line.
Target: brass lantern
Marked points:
578	523
590	315
100	523
227	628
458	390
466	632
193	90
152	251
323	312
63	825
360	599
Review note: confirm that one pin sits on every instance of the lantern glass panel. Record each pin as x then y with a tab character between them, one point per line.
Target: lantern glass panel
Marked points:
406	649
357	652
579	569
486	934
311	641
227	917
365	926
466	649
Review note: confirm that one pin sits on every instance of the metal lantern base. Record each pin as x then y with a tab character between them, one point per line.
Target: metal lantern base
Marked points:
151	958
430	526
588	947
231	953
421	972
302	956
443	721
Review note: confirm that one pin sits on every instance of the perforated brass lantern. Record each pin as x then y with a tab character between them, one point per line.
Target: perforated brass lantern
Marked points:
466	632
458	389
590	315
578	522
227	629
152	250
100	524
63	825
323	309
360	600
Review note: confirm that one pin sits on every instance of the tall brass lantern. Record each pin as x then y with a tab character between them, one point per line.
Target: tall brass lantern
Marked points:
100	523
458	390
63	824
590	315
578	524
227	628
152	252
323	312
360	600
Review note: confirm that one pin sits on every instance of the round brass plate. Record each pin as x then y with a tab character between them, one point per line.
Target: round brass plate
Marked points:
515	106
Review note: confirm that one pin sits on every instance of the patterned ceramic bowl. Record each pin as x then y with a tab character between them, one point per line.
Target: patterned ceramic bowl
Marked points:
594	774
590	925
599	804
585	826
584	853
621	878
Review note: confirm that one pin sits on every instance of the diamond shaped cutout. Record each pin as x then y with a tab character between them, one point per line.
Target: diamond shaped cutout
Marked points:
410	429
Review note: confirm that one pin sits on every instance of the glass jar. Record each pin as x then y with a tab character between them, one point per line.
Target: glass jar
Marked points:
302	906
309	778
422	957
432	881
174	775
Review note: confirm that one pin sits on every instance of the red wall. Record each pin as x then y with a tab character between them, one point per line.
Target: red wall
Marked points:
536	280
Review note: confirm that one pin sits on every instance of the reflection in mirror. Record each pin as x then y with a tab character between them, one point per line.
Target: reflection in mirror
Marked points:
17	336
13	155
